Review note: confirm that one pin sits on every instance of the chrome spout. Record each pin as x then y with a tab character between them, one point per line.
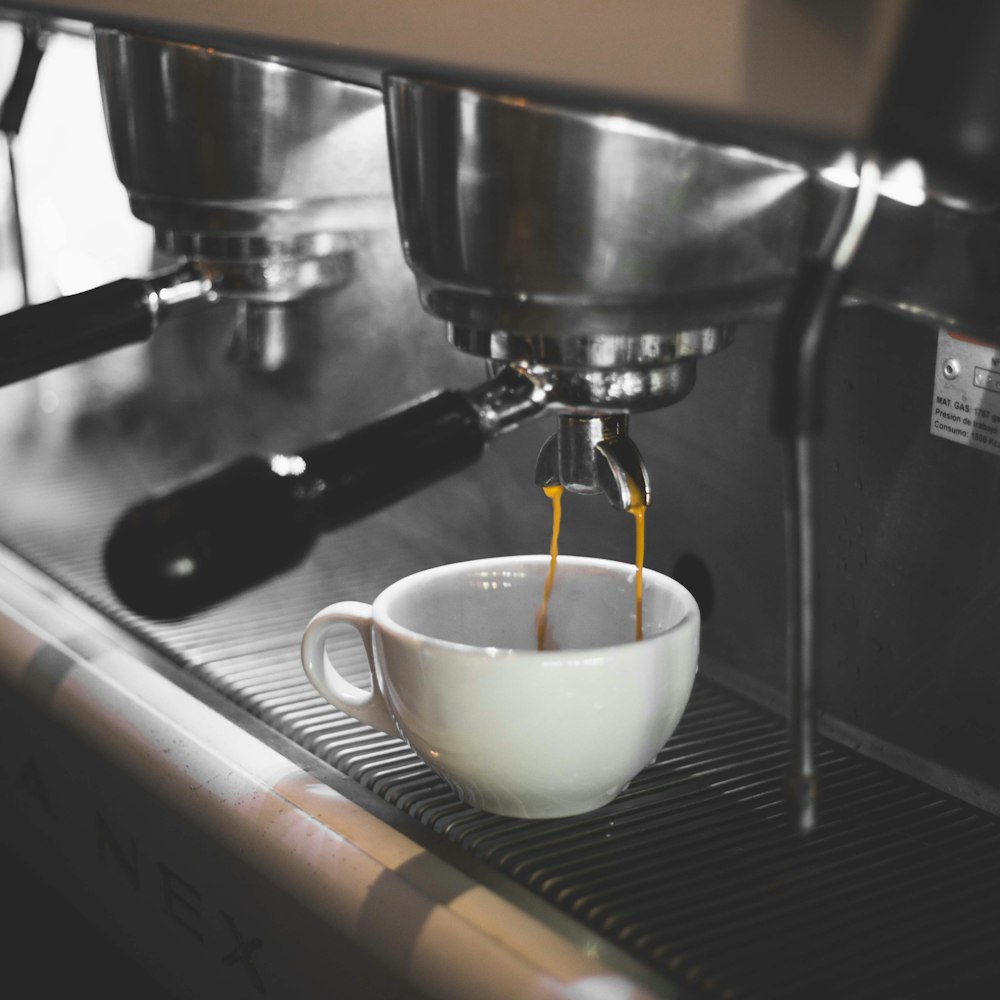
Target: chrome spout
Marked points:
592	455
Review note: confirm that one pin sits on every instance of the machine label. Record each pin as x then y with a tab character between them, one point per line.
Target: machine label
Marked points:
966	405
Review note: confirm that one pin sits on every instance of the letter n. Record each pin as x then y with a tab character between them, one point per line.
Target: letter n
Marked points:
126	859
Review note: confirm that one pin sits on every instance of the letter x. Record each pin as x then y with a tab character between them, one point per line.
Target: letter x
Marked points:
243	952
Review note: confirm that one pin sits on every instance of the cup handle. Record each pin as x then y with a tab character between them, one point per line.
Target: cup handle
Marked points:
367	706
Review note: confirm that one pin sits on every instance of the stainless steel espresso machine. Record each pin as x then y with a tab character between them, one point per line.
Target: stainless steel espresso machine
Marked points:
403	270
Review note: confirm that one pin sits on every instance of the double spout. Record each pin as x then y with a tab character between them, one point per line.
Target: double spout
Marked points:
594	454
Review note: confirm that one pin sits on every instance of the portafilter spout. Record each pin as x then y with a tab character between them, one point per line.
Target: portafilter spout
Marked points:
592	455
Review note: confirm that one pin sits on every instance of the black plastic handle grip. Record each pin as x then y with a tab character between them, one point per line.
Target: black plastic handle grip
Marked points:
38	338
16	101
212	538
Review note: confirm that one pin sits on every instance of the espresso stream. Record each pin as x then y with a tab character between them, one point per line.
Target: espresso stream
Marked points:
637	508
555	493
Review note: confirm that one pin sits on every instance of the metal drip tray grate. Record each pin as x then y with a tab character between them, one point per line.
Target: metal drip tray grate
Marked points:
694	870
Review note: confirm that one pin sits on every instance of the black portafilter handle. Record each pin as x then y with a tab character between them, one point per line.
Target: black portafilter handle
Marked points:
15	104
39	338
182	551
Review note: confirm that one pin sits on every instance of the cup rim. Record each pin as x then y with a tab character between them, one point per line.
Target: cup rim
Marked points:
382	619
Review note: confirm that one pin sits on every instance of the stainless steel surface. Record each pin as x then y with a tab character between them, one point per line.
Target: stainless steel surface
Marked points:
576	243
587	455
611	252
593	350
261	336
174	291
597	391
592	455
546	222
933	262
507	400
213	146
535	229
264	269
803	332
264	176
573	243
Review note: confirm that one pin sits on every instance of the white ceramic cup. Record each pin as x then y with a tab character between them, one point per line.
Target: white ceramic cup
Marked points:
517	731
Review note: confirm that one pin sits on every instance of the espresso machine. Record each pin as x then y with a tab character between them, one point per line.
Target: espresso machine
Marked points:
404	273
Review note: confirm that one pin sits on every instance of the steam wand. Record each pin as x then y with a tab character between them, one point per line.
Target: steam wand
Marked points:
798	418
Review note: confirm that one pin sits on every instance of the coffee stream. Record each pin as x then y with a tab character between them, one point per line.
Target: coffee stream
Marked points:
637	508
542	617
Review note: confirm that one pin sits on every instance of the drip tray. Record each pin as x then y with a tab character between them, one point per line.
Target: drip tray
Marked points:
694	870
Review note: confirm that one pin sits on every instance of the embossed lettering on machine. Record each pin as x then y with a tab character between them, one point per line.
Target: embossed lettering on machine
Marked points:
967	392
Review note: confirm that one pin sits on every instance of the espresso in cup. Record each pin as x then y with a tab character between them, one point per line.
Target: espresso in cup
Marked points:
514	730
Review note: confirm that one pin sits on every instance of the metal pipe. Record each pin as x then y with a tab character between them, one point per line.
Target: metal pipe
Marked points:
802	337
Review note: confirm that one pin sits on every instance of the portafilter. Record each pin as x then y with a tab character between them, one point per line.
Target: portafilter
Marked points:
260	178
589	258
